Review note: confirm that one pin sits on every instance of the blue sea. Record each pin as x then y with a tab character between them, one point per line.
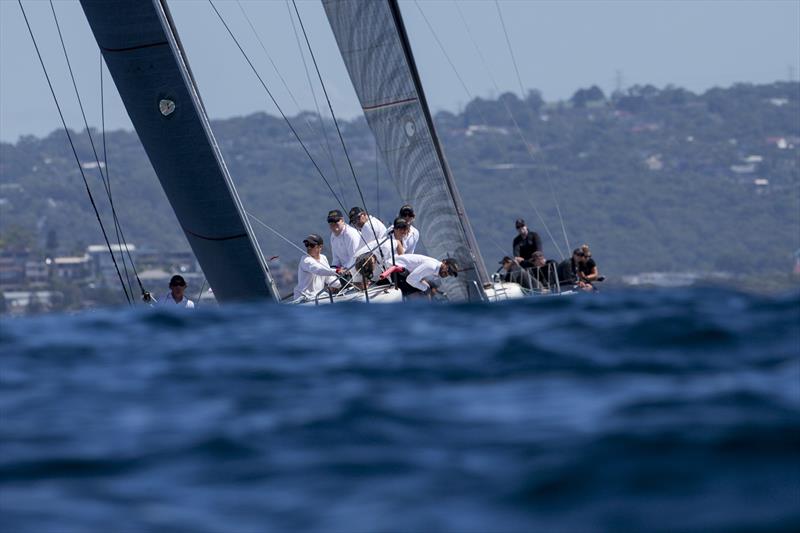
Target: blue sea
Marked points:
662	410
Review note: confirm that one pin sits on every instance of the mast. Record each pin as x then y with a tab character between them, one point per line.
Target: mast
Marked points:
376	51
141	48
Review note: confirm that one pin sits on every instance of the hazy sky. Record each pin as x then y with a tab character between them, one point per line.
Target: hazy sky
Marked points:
560	46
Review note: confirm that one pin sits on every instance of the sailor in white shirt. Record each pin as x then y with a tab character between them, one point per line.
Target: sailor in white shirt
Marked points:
175	297
345	240
419	269
400	231
370	227
410	242
314	273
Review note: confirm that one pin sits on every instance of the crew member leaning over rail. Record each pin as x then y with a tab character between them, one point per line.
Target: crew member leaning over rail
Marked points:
416	272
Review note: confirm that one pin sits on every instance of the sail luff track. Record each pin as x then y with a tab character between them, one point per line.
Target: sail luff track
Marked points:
148	64
376	51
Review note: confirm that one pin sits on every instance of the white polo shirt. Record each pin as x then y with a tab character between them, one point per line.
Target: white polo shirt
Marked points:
367	234
344	246
313	276
420	267
410	242
169	301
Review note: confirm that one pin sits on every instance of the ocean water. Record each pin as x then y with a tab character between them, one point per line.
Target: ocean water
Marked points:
666	410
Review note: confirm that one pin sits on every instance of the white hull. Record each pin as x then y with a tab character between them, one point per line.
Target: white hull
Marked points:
377	294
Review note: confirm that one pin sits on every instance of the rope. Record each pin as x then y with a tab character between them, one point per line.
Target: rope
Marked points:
275	102
108	183
316	102
522	94
377	181
335	122
105	160
75	153
291	94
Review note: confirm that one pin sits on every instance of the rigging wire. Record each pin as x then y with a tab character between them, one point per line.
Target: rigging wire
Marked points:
316	101
470	95
121	242
525	143
75	153
108	182
276	232
275	102
377	181
522	95
291	94
105	160
335	122
103	178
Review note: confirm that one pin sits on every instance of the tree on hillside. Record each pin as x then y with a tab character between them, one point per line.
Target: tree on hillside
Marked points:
584	96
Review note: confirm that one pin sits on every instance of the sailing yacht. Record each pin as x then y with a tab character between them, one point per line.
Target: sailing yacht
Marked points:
140	44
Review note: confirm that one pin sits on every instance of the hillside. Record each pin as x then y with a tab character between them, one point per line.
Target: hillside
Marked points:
653	179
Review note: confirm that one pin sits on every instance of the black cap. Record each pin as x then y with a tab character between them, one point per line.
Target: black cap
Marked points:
452	266
407	211
177	281
335	216
354	213
312	239
578	252
505	260
519	223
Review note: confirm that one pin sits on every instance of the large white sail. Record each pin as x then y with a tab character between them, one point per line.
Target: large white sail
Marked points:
376	51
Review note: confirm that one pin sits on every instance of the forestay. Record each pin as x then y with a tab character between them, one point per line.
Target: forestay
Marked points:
376	51
141	48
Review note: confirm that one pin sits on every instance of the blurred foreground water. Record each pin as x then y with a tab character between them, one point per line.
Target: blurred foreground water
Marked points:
628	410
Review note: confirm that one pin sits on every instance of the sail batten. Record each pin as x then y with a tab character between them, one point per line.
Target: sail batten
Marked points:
141	47
375	49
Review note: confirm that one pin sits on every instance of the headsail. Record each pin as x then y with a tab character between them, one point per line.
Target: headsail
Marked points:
140	45
376	51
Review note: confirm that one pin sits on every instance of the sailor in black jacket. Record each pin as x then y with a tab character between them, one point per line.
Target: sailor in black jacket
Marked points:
526	243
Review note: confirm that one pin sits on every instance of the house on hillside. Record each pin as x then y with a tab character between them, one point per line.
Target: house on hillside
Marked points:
74	268
102	264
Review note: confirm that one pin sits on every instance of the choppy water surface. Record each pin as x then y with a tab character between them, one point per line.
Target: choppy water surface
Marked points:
667	410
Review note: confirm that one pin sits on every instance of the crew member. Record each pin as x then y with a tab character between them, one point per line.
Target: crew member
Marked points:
543	270
175	297
515	273
314	273
568	270
526	242
370	227
401	234
410	242
588	268
416	273
345	240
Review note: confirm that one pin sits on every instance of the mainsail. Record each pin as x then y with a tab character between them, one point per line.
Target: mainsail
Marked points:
377	53
140	45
